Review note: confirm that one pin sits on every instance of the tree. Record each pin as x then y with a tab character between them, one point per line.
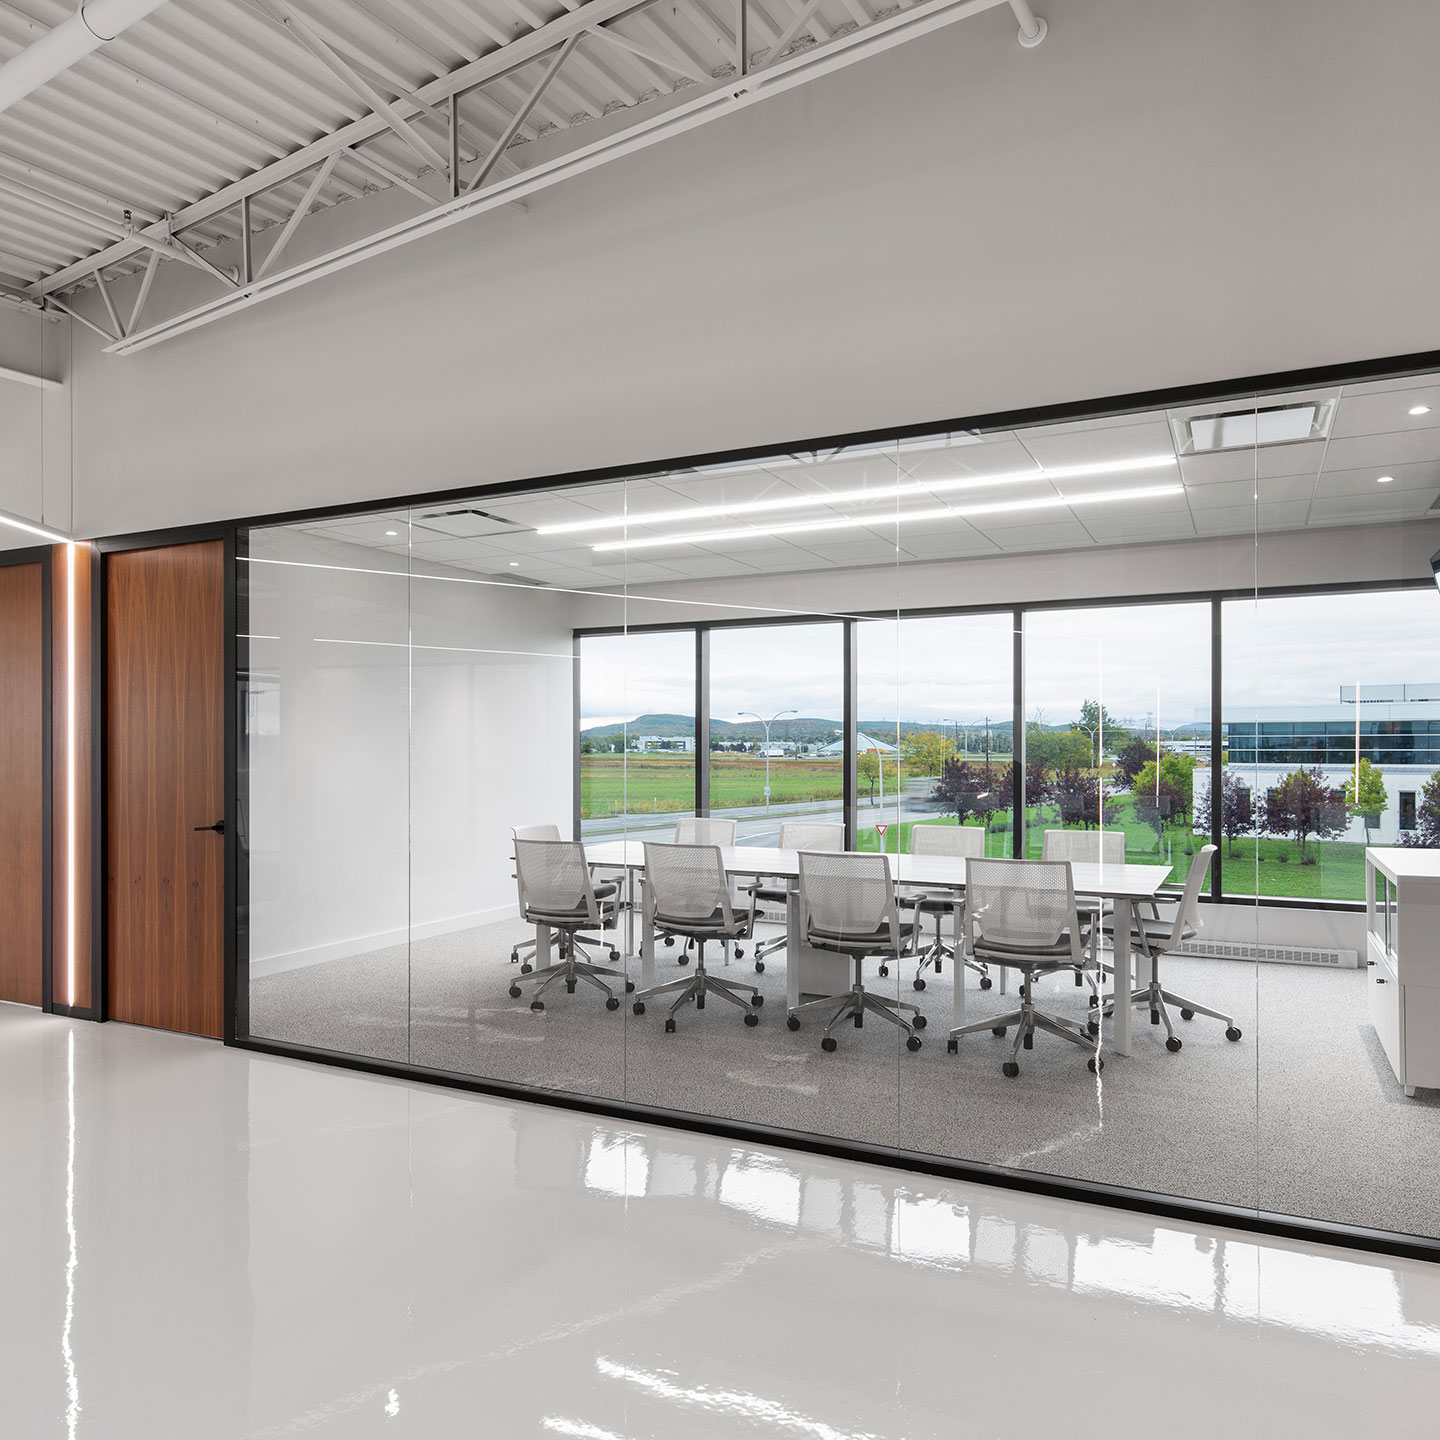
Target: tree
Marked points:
1302	805
1174	784
1130	759
1076	793
1426	834
1056	749
965	789
1365	795
867	767
925	752
1102	729
1237	808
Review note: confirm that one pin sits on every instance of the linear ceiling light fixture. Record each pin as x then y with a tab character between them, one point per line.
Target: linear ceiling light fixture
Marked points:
852	522
856	497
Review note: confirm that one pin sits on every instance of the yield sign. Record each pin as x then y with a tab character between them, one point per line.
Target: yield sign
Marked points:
882	829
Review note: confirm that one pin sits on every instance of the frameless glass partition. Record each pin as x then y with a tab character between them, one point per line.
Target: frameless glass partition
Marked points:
525	782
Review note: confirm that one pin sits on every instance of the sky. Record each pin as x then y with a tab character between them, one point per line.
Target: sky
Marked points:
958	668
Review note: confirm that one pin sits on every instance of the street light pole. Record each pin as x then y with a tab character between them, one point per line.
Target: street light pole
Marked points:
767	724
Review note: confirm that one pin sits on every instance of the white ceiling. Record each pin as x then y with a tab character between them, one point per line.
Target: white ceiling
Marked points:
1274	488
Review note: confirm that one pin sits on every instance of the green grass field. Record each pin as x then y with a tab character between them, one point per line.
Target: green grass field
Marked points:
665	784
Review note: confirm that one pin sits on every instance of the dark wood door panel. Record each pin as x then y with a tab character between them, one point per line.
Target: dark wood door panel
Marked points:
164	756
22	783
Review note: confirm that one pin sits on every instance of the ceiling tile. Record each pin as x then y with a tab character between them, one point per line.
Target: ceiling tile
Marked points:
1089	447
1403	447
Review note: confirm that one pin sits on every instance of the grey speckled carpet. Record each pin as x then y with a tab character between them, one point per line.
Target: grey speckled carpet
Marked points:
1302	1116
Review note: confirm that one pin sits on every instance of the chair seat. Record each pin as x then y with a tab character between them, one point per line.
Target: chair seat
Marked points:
1149	927
561	919
704	927
770	894
937	904
1057	954
604	889
876	942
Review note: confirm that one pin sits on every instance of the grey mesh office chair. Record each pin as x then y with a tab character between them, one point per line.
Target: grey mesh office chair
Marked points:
794	835
967	842
1087	847
699	830
690	893
1021	914
524	953
556	891
1152	936
847	905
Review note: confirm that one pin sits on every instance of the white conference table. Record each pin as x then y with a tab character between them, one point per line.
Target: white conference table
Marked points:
1125	885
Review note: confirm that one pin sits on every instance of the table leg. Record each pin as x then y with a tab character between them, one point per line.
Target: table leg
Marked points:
647	937
1123	978
957	965
543	956
792	947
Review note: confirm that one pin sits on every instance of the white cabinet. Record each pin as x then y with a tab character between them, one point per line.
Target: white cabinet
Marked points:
1402	910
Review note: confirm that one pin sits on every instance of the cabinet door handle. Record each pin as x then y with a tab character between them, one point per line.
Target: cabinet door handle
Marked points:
1379	979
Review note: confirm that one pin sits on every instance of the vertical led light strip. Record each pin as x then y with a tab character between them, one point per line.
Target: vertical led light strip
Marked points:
70	773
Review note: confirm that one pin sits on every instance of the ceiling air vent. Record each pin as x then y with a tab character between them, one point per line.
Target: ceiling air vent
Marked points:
464	522
1252	427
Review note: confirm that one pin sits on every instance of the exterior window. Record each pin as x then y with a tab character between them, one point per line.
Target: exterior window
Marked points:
1407	809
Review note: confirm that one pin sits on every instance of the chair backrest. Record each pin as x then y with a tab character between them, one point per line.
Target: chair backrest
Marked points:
964	840
811	835
553	879
1024	904
688	882
535	832
1188	912
847	894
702	830
1084	847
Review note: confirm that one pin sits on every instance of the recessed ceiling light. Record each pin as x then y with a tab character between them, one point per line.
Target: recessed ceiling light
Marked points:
1384	479
1246	429
392	533
514	564
1419	410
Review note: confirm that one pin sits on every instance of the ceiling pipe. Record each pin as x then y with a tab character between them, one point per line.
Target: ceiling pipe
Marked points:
1032	26
87	29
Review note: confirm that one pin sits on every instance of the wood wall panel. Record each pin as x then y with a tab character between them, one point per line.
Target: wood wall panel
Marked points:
84	768
22	783
164	756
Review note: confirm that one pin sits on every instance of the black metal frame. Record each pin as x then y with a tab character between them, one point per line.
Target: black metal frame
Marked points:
41	555
1190	1211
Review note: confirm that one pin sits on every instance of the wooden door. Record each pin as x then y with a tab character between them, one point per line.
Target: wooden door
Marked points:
164	757
22	783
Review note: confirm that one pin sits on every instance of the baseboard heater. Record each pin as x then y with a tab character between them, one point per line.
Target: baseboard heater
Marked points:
1275	954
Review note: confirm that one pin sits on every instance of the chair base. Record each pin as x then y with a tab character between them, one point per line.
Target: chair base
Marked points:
696	987
854	1006
1027	1020
570	969
1156	999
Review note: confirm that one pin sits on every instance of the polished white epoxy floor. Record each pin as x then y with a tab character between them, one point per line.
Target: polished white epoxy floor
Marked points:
205	1244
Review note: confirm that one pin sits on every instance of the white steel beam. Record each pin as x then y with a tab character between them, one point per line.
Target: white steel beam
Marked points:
523	113
24	377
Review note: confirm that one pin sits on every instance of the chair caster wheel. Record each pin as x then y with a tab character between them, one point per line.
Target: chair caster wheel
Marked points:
793	1023
1029	1041
526	968
986	982
919	983
629	987
614	954
1187	1014
514	957
1009	1069
739	952
682	959
1079	979
752	1019
828	1043
638	1008
1233	1032
759	967
952	1047
1092	1027
1093	1001
919	1022
1094	1064
537	1004
669	1027
612	1003
514	992
669	939
913	1043
998	1030
757	999
884	970
1172	1044
938	967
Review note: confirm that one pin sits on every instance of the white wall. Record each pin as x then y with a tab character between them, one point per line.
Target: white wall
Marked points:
384	780
1160	194
34	425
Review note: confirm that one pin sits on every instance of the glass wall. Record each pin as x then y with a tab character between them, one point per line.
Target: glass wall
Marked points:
1009	634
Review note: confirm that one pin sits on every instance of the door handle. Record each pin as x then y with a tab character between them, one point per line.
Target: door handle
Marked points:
218	827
